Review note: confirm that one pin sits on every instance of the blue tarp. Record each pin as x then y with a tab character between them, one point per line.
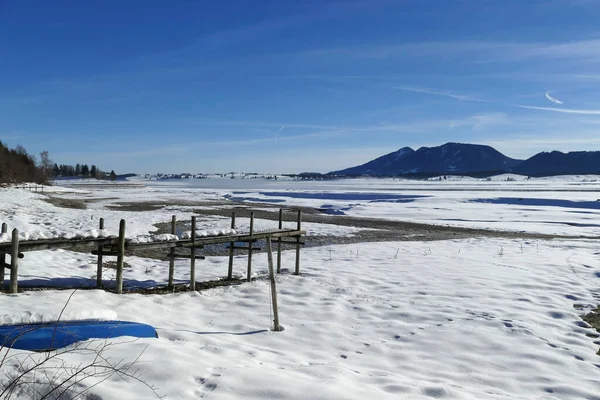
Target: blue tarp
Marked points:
52	335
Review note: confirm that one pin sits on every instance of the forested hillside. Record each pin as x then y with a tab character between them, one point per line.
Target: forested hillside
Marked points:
16	165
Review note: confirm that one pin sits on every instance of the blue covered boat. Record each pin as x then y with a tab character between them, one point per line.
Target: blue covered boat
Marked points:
51	335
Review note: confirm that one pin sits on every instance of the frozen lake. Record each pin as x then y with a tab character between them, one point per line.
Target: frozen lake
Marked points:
568	205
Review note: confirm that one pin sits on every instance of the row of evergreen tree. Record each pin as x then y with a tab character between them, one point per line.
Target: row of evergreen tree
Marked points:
16	166
81	170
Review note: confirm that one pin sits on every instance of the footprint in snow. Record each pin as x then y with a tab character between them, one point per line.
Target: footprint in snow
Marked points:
206	386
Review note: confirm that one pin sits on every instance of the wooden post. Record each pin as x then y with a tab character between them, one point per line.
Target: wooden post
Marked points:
100	262
297	272
249	273
231	244
276	326
14	262
120	256
279	242
2	259
172	256
193	256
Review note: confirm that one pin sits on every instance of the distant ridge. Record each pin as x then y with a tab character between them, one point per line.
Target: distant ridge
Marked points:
558	163
450	158
474	160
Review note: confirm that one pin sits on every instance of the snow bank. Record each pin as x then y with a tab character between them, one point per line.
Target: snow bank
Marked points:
165	237
54	234
28	317
212	232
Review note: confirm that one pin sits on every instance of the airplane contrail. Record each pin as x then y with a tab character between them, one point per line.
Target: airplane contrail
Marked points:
278	132
563	110
552	99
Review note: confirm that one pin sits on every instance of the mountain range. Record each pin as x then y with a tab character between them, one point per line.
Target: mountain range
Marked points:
475	160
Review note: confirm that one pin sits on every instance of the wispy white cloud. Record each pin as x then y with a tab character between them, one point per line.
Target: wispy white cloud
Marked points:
278	132
552	99
279	125
587	77
439	93
480	121
562	110
428	125
477	51
582	49
525	147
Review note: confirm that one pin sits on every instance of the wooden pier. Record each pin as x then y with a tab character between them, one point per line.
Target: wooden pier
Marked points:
31	188
118	245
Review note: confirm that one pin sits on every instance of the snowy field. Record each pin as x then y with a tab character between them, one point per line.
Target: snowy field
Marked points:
478	318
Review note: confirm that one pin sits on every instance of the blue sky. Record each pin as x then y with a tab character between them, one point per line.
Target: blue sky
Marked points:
291	86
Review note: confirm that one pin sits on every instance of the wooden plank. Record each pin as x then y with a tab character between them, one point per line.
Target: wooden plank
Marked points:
100	262
279	241
104	253
276	326
121	257
37	245
172	253
249	273
244	237
52	244
158	245
247	240
247	248
231	248
292	242
299	228
193	256
26	246
187	256
200	242
14	262
21	255
3	258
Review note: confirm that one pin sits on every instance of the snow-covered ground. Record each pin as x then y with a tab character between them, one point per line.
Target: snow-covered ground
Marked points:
564	205
479	318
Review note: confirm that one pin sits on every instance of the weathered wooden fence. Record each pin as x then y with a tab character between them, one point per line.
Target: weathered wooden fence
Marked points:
31	188
116	246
